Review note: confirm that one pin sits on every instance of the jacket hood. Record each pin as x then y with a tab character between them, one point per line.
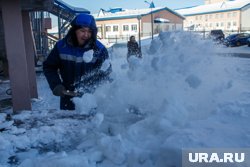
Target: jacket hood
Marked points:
85	20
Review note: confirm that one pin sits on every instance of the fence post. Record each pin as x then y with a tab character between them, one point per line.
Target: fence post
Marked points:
204	31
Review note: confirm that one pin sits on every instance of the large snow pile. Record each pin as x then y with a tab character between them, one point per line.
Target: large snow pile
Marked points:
180	95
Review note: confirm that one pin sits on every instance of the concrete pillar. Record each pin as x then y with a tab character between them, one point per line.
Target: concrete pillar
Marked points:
30	53
16	55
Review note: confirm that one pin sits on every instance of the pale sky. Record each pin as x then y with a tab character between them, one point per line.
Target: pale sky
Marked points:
94	5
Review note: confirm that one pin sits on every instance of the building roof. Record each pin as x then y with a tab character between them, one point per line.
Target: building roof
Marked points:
119	13
229	5
70	8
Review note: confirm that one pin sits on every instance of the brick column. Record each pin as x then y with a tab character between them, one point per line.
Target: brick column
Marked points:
30	53
16	55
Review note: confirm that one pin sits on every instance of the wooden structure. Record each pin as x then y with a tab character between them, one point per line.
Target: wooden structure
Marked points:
17	45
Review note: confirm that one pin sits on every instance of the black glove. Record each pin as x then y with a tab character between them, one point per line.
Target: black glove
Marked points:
59	90
73	94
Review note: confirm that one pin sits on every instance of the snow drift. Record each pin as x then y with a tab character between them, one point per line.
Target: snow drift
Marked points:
180	95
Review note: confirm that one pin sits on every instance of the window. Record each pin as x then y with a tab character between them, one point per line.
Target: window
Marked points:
108	28
229	15
234	23
217	24
234	14
222	24
196	17
173	27
134	27
228	24
200	17
210	16
244	35
125	28
115	28
211	24
216	16
99	29
167	27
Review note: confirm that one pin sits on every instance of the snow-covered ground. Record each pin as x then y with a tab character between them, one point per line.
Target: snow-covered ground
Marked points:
180	95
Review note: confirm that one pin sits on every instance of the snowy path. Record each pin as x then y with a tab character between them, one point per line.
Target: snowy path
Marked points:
187	97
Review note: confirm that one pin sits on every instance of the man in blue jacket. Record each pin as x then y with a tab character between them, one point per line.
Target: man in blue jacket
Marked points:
76	60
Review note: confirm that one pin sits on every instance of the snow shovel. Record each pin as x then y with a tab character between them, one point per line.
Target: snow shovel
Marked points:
72	93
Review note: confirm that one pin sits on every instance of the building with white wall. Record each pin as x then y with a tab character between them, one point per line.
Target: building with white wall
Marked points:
228	15
121	23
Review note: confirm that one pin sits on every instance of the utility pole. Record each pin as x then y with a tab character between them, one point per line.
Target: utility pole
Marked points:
139	29
152	25
151	5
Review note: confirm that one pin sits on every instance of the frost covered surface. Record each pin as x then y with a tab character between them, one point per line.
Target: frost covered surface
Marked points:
180	95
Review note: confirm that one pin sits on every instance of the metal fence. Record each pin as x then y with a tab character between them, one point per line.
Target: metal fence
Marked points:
205	33
124	38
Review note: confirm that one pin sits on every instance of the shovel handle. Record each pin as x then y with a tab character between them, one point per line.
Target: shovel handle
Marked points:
72	93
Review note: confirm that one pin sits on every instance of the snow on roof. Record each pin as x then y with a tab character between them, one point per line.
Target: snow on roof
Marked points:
130	13
161	20
216	7
71	8
126	12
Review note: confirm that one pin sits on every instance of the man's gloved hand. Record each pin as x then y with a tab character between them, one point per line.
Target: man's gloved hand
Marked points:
59	90
73	94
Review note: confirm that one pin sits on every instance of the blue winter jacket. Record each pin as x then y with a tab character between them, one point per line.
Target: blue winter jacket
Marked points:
65	64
